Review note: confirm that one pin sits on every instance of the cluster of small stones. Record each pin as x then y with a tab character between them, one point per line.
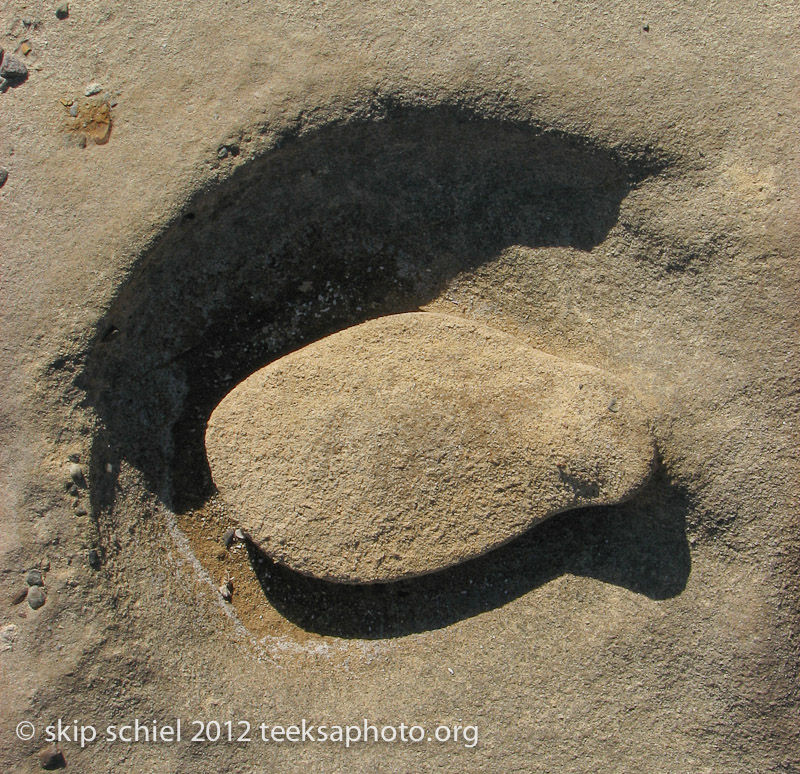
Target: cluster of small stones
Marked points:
77	488
34	590
414	442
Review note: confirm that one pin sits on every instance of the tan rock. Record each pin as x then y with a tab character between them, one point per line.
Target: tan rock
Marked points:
413	442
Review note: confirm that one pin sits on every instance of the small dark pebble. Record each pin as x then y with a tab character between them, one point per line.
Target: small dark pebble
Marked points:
34	578
227	150
612	406
95	560
646	28
36	597
13	68
51	758
227	538
62	10
19	597
3	176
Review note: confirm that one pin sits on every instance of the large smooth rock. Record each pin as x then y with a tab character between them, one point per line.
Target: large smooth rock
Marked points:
413	442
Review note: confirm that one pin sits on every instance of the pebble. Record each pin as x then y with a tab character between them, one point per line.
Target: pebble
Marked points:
81	511
13	68
73	109
240	534
8	634
34	578
4	84
25	48
51	758
18	597
36	597
226	590
95	560
227	538
92	89
3	176
222	152
62	10
75	473
414	442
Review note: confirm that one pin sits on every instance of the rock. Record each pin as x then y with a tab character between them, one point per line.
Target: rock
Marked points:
92	89
413	442
34	578
51	758
3	176
8	634
81	511
94	558
76	473
36	597
234	536
62	10
226	590
25	48
4	85
13	68
18	597
73	110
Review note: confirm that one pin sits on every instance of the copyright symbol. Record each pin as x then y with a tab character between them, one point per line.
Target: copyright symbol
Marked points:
26	730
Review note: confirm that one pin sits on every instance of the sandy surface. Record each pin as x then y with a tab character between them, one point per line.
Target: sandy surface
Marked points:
615	184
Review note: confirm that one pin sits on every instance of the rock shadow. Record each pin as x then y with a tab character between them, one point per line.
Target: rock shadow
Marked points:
640	545
331	227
